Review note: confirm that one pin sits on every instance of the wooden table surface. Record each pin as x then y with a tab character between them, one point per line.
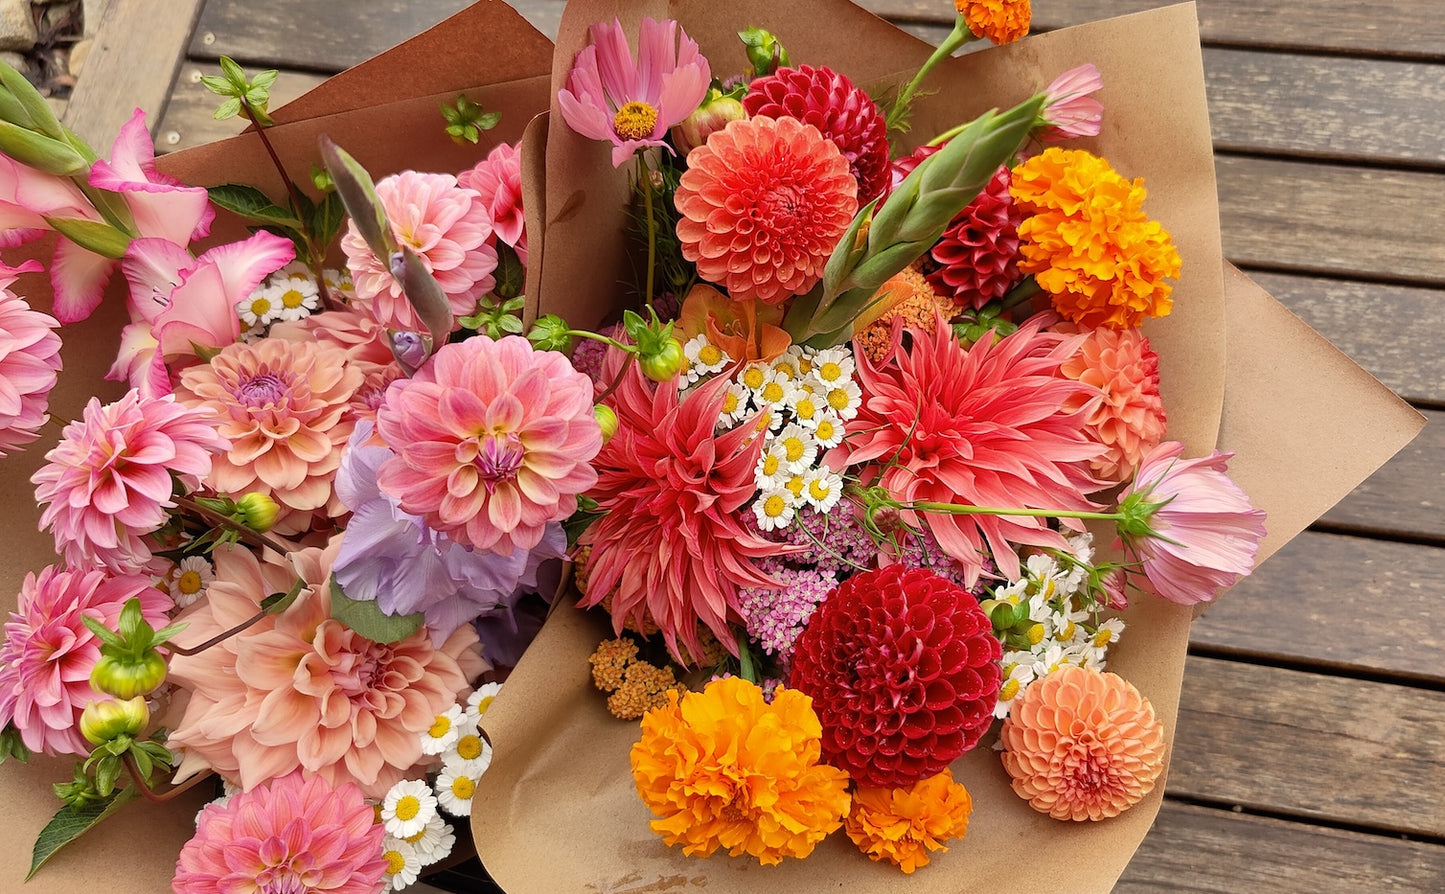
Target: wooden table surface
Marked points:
1310	749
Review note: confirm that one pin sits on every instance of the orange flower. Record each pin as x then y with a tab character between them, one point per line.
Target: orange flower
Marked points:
723	768
1089	243
746	329
907	296
902	825
1001	21
1082	744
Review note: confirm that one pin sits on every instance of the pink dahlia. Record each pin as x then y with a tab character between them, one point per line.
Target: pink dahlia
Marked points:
29	362
1193	529
492	442
631	102
983	427
1127	416
976	260
294	835
672	544
498	180
841	112
48	653
108	482
447	225
361	335
283	406
301	690
762	205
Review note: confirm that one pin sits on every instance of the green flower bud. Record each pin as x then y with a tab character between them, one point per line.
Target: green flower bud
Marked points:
607	420
125	677
111	718
664	363
551	333
712	116
765	54
257	511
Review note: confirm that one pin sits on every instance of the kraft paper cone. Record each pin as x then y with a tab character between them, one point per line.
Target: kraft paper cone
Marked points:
1238	372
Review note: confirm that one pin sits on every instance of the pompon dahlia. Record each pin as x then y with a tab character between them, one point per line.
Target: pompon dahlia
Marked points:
292	834
48	652
722	768
447	225
1001	21
977	257
1128	417
982	427
29	362
842	113
108	482
762	205
493	441
904	673
903	825
1082	744
687	563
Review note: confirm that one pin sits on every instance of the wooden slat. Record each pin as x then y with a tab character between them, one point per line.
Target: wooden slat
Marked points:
1196	850
1300	744
1405	497
1350	604
1384	29
188	120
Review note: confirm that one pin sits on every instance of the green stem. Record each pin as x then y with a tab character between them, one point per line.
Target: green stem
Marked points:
746	668
249	535
956	509
583	333
644	181
959	36
1020	293
149	793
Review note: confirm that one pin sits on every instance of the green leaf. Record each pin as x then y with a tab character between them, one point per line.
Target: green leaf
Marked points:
489	120
253	204
11	745
265	79
578	522
69	823
233	72
228	109
511	276
326	218
425	295
277	603
104	634
217	85
107	771
367	619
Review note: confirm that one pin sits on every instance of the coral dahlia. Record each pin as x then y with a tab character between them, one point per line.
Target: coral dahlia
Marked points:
762	205
29	362
904	673
1127	418
977	257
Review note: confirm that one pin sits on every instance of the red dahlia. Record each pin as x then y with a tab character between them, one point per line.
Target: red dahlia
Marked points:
843	113
903	669
977	258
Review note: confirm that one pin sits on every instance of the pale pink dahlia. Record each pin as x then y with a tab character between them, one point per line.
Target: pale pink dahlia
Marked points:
492	442
446	225
300	689
762	205
360	334
498	180
284	406
293	836
982	427
1127	416
48	653
108	481
1193	529
29	361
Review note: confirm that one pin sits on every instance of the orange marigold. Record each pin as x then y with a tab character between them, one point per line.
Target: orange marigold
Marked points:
722	768
1088	241
903	825
1001	21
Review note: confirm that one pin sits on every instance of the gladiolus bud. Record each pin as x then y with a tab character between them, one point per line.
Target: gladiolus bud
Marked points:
111	718
713	115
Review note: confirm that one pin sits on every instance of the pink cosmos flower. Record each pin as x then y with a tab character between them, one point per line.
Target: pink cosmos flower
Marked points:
108	481
295	834
498	180
632	102
1070	109
1192	528
447	225
493	441
48	653
301	690
29	362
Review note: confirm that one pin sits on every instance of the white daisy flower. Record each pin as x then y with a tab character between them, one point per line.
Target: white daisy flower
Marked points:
772	468
704	358
806	405
1015	682
785	368
295	271
833	367
827	429
259	309
737	403
444	731
433	843
774	509
472	755
1108	633
338	280
799	448
795	485
454	790
822	489
408	807
753	376
190	580
774	390
479	701
844	398
294	299
402	864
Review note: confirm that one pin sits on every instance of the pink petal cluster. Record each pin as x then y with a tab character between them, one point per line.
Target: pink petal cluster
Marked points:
1127	417
981	427
29	362
294	835
446	225
108	481
1199	534
48	653
493	440
498	180
301	690
1070	109
611	96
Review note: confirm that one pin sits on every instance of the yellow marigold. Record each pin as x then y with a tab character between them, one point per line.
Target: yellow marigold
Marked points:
644	687
722	768
610	660
1089	243
1001	21
911	299
902	825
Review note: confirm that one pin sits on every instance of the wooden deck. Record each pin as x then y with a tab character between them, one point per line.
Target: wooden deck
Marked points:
1310	752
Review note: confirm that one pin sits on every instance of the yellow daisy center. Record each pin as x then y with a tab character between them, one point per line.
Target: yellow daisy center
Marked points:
730	403
785	370
794	448
838	399
484	703
635	121
189	582
469	747
395	862
819	489
440	727
416	839
830	372
260	306
753	377
1009	690
1036	634
770	464
772	393
463	787
825	430
774	506
796	485
805	408
709	355
292	299
407	807
1104	637
1068	631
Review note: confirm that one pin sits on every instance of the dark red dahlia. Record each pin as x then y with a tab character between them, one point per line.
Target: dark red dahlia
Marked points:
977	258
843	113
903	669
902	166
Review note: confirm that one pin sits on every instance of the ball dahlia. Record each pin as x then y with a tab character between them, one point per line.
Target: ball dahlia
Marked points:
976	260
762	205
29	362
1127	418
841	112
904	673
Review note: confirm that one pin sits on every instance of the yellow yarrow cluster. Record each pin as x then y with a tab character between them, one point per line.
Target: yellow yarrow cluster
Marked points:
722	768
636	685
1001	21
903	825
1089	243
910	298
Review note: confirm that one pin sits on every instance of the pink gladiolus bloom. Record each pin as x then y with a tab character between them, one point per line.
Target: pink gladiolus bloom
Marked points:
108	481
498	179
1193	529
611	96
1070	109
29	361
294	835
48	653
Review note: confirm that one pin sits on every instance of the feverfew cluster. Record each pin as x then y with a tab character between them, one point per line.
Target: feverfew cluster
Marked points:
287	295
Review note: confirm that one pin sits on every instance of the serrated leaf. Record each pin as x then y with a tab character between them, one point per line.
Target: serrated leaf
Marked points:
228	109
366	618
69	823
252	204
